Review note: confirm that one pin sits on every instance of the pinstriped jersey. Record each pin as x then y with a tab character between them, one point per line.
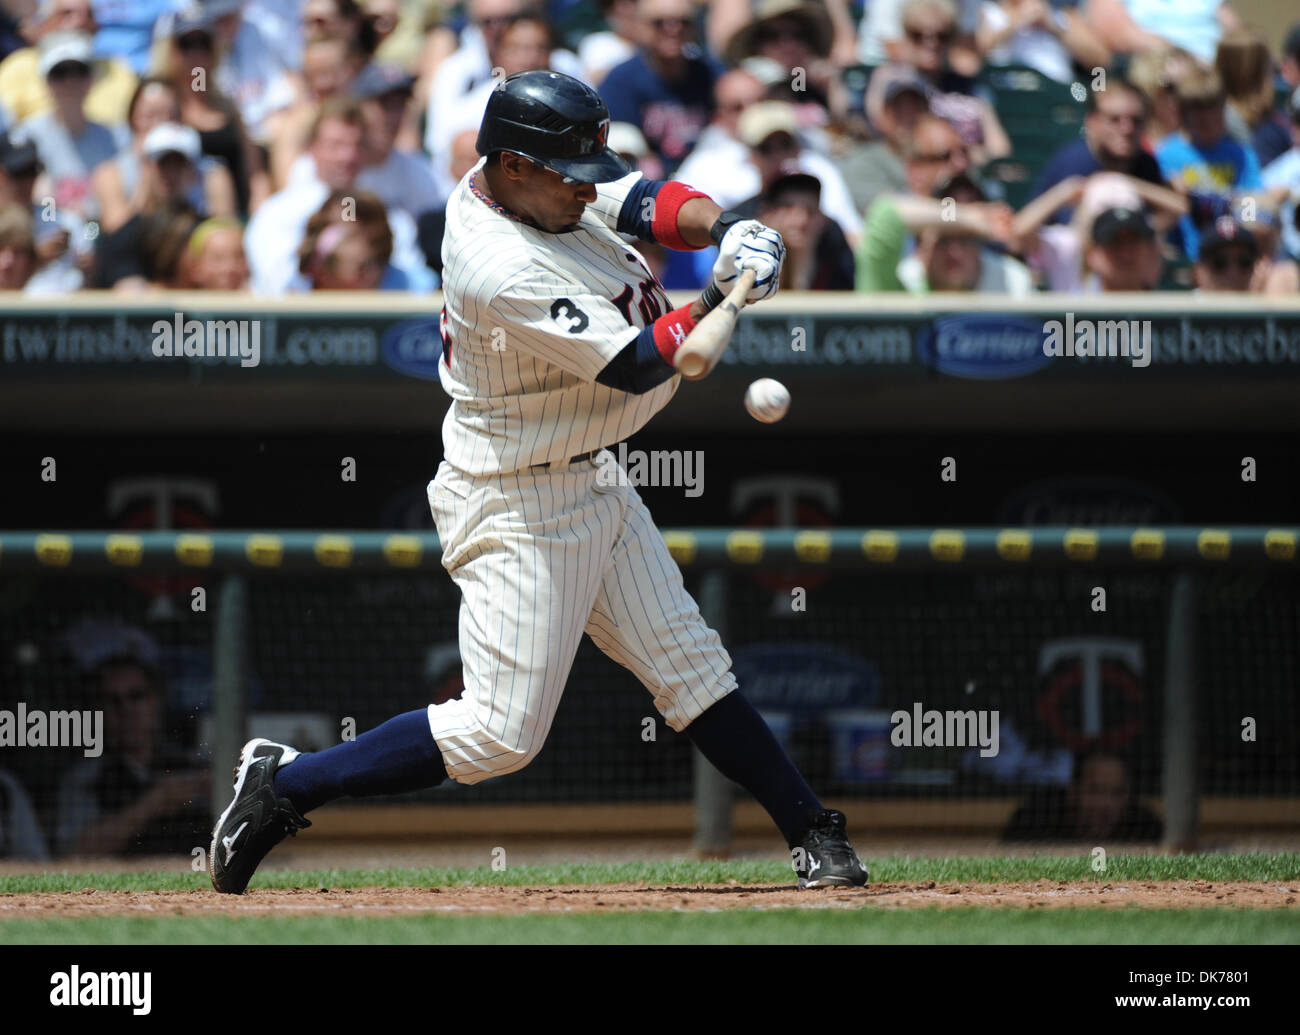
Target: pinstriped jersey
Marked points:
529	320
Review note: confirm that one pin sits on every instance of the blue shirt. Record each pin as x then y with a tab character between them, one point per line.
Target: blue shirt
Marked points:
669	115
126	29
1077	159
1225	167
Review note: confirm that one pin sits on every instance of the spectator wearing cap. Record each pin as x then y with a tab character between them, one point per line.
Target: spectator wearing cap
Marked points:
1245	65
189	57
936	162
1048	38
601	51
170	190
930	28
1122	253
1112	142
330	66
125	185
402	180
1274	272
253	72
667	87
23	90
1132	26
1228	257
17	247
526	41
794	36
69	144
214	256
1056	250
876	166
275	233
817	257
473	60
770	133
1203	158
1281	177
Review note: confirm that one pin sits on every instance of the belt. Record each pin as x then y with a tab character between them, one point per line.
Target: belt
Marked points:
554	464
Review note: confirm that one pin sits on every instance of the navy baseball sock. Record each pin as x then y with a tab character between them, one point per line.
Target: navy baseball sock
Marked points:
734	737
399	755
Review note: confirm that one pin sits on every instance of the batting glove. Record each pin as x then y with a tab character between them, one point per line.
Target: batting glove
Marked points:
749	245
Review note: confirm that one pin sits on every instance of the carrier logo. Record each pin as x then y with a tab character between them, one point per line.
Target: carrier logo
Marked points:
983	347
95	988
414	348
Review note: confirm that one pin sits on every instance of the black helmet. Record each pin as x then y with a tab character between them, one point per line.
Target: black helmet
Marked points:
556	121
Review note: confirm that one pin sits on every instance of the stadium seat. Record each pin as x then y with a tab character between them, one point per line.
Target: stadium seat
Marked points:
1039	115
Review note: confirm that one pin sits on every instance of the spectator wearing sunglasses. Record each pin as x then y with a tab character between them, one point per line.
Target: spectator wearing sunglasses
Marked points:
69	144
1228	257
794	35
930	27
1112	142
1203	158
667	87
883	35
23	90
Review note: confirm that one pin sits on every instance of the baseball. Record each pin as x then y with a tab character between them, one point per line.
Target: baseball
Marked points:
767	400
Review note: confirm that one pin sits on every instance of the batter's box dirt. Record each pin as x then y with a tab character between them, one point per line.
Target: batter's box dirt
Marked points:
630	897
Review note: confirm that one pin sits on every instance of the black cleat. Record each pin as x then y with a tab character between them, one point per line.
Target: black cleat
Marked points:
822	856
255	821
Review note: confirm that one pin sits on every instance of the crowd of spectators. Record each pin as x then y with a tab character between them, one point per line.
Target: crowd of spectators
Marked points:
279	146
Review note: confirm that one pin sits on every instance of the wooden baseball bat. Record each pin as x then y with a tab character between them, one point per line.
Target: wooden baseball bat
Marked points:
706	343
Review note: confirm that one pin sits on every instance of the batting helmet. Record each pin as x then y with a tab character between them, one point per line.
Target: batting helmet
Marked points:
556	121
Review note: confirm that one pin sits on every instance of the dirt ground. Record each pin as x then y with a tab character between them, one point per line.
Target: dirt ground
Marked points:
623	897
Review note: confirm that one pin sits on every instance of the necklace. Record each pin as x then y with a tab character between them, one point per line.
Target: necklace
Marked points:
494	206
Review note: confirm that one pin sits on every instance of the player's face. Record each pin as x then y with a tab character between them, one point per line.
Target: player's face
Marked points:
546	199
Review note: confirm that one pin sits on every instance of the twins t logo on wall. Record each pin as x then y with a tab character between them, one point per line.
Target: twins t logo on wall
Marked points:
1093	693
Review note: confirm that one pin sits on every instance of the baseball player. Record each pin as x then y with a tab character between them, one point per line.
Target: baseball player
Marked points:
557	342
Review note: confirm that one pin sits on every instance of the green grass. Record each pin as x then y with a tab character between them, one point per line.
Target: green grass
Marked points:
1280	867
958	925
